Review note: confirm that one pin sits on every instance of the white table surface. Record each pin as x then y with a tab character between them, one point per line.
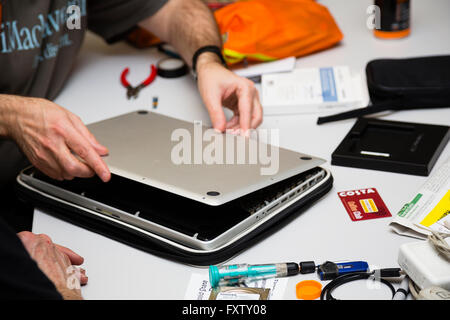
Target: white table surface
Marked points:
323	232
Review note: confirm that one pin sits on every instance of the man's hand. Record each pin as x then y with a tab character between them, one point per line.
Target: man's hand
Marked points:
220	87
56	262
53	139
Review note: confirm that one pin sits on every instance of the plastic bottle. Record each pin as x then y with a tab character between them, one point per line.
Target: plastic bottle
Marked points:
395	19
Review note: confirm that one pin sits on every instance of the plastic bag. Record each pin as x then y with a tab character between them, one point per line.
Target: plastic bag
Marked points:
266	30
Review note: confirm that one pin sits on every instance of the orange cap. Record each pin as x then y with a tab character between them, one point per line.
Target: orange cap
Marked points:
308	290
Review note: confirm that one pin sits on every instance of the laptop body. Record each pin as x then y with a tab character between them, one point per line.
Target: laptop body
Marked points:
197	205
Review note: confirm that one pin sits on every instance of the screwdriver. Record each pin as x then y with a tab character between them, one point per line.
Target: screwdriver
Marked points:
229	275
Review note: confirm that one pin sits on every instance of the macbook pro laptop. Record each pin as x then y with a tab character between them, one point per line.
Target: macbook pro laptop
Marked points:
180	183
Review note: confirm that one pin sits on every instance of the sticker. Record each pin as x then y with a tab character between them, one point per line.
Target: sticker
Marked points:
364	204
441	211
199	287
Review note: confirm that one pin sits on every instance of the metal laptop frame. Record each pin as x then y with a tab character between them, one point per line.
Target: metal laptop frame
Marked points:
168	235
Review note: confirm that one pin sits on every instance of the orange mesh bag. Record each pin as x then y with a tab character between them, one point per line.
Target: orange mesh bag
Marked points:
265	30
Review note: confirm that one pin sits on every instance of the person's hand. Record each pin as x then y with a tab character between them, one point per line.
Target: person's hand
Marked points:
220	87
57	263
56	141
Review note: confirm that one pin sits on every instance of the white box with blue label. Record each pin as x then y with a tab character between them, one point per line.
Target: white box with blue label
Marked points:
312	90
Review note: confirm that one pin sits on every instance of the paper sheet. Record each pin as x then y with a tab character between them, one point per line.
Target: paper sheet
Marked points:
282	65
310	90
199	287
430	208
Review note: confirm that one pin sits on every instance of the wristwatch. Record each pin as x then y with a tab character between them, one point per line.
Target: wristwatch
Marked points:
213	49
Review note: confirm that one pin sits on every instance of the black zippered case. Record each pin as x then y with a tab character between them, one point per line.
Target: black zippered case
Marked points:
153	243
403	84
410	83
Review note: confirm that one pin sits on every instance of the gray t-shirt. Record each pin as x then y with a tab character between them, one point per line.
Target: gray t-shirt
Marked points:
39	40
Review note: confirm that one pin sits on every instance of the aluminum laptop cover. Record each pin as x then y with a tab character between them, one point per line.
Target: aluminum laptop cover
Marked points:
189	160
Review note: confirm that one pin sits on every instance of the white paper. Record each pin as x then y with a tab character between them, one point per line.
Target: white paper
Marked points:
429	208
199	287
235	296
310	90
282	65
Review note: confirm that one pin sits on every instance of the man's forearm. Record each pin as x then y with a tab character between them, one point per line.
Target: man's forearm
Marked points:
193	26
187	25
8	108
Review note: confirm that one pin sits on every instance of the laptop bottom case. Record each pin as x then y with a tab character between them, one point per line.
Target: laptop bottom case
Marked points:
157	244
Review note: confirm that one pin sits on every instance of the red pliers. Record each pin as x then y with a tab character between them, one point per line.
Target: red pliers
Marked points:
132	92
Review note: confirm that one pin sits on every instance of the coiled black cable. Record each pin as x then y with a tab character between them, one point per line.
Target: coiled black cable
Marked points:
340	280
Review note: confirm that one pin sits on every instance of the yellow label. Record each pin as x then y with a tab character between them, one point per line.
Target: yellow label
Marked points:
368	205
440	211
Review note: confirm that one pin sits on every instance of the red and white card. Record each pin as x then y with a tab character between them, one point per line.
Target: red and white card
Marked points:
364	204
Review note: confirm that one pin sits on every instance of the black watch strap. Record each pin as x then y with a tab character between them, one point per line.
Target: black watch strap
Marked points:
213	49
